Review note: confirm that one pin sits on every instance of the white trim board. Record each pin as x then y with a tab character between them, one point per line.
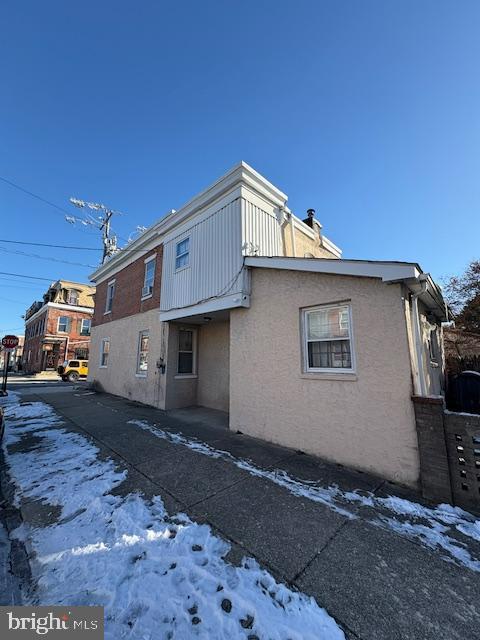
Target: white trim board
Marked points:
58	305
386	271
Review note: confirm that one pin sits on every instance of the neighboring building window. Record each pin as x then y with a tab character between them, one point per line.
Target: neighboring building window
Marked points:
72	297
110	294
142	357
149	277
182	254
81	354
85	326
328	339
105	350
186	359
64	324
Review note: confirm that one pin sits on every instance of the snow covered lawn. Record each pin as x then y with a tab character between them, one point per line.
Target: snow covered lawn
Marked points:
158	575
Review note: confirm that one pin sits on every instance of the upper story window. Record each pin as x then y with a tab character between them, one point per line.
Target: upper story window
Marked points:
327	337
72	297
149	277
182	254
85	326
110	294
64	323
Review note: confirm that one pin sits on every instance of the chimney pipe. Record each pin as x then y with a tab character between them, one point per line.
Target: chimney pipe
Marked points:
310	217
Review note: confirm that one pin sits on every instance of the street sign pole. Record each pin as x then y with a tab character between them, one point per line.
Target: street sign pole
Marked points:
5	373
8	343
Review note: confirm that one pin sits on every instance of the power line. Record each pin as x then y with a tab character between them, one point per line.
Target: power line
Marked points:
34	195
65	246
33	255
37	197
20	275
54	246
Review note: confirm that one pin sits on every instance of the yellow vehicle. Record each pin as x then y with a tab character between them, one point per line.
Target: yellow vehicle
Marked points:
73	370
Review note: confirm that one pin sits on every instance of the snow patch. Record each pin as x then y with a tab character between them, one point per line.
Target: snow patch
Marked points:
410	519
157	576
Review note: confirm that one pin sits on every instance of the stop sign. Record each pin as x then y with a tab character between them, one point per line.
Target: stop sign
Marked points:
9	342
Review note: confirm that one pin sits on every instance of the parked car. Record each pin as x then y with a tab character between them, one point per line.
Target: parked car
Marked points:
73	370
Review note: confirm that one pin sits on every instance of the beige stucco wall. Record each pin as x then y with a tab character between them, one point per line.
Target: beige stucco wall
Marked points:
304	244
120	377
214	365
364	421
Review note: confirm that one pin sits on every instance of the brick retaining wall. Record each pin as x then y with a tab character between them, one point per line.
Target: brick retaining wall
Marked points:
449	445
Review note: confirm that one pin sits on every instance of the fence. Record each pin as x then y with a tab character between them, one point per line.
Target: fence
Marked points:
449	445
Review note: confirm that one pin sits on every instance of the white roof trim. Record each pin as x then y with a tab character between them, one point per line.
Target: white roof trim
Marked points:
386	271
241	173
58	305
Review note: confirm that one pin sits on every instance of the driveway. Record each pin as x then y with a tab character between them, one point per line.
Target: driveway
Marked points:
383	563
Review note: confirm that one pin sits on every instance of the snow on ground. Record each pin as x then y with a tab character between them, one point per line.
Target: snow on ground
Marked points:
432	526
157	576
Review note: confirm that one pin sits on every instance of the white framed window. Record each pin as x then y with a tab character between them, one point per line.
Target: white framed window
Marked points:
85	326
110	294
182	254
72	297
104	352
149	277
63	324
142	354
327	339
186	352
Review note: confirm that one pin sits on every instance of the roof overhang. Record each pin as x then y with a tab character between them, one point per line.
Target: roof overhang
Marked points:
408	273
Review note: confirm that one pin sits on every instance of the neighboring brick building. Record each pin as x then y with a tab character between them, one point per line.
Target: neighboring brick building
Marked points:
58	328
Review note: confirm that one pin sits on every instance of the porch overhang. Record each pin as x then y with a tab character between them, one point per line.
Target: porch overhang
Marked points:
208	306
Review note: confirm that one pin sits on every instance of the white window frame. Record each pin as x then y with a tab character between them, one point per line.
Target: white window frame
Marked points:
142	373
109	299
81	326
102	352
76	294
304	327
181	255
69	324
147	262
193	374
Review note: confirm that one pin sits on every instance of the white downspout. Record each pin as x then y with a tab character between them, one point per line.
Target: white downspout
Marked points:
420	386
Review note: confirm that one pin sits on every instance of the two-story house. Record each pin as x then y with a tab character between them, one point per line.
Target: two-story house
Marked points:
234	303
57	328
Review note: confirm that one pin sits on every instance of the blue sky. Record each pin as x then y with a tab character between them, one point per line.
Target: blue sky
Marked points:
367	111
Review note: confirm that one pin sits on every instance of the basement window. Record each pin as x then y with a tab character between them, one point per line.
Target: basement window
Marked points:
327	339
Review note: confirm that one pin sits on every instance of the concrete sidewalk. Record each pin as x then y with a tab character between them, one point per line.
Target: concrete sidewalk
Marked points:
377	584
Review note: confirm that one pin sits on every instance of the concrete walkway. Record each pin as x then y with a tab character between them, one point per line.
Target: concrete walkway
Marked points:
377	584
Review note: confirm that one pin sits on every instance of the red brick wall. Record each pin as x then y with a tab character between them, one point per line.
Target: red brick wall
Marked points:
75	340
128	290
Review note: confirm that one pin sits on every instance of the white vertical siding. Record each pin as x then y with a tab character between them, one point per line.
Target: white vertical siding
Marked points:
261	233
215	260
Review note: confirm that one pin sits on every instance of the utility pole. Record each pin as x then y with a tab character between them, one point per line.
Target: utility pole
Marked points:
101	222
